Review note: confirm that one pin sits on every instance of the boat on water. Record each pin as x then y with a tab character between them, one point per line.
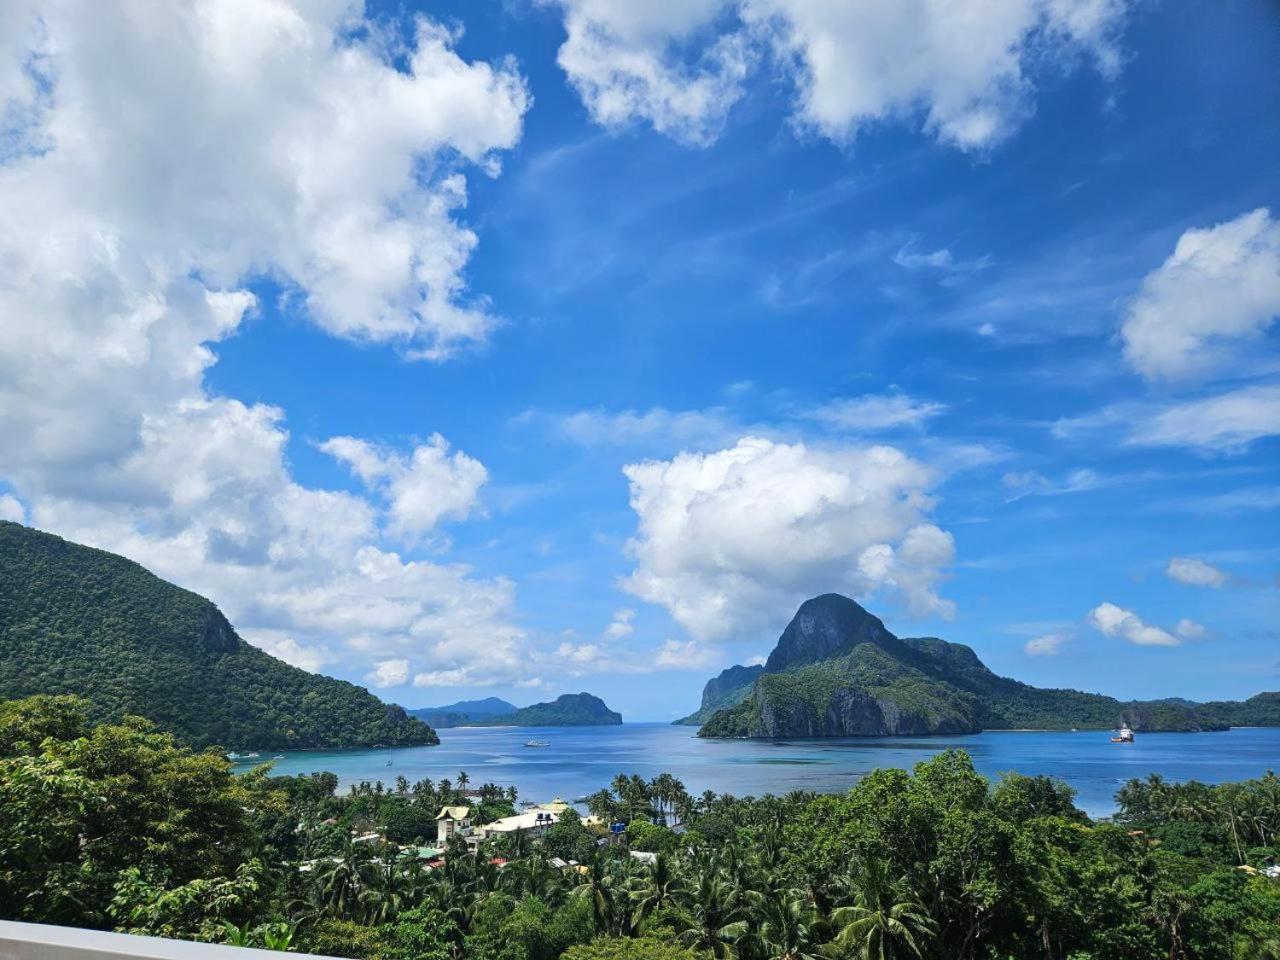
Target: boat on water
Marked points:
252	756
1123	735
278	756
537	743
233	756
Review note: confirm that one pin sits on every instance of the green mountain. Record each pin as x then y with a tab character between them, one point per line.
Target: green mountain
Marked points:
464	712
728	689
84	621
566	710
837	671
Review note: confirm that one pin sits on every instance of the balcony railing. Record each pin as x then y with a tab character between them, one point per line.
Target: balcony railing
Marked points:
36	941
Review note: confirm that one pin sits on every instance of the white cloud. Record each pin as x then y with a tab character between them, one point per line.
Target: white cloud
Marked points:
1190	630
1223	423
1228	422
621	625
674	655
1195	573
1118	622
1218	290
941	260
653	62
147	185
11	509
284	647
872	412
422	489
729	542
960	70
757	661
388	673
1046	645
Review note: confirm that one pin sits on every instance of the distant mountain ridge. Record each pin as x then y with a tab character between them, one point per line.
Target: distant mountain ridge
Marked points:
566	710
837	671
78	620
464	712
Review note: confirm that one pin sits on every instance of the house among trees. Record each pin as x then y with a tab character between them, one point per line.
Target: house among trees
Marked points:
452	821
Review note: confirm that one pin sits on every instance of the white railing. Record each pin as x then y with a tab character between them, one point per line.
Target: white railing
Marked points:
36	941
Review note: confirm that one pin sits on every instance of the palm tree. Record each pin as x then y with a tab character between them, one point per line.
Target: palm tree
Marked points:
601	804
463	780
712	918
787	927
598	888
885	919
659	885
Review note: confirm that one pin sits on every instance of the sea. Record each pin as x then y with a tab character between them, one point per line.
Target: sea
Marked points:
579	760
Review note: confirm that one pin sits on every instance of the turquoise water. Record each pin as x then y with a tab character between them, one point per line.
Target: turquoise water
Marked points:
581	760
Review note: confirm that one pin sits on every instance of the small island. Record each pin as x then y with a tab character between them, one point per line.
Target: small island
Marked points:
567	710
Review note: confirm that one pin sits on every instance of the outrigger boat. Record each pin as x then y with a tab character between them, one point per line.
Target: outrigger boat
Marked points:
537	743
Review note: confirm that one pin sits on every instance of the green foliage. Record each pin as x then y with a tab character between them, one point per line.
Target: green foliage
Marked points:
867	681
78	812
74	620
567	710
425	933
628	948
116	825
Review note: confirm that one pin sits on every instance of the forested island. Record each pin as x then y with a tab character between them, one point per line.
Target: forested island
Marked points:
115	826
567	710
75	620
837	671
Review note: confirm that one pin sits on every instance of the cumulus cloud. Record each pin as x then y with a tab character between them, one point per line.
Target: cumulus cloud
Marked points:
872	412
966	78
145	187
621	625
1218	290
729	542
1195	573
388	673
1045	645
422	489
1118	622
11	509
654	62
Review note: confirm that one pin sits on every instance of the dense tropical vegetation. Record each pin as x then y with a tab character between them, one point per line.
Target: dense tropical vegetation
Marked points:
74	620
566	710
117	826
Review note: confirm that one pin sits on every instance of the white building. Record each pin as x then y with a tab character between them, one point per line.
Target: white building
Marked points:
452	821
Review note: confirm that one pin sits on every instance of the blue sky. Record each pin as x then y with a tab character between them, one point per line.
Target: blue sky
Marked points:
987	340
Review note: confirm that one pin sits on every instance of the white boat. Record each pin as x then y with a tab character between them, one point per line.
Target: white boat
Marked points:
537	743
251	756
1123	735
278	756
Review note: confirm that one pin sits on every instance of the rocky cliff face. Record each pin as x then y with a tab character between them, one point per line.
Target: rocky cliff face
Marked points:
837	671
850	713
729	688
823	628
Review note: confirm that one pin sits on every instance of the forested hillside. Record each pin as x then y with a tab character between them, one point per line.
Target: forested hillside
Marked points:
837	671
81	621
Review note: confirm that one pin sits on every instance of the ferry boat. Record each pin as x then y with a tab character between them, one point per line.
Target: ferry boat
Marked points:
537	743
1123	735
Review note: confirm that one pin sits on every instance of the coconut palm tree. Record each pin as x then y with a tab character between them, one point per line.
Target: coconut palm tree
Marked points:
787	927
712	916
659	885
463	780
885	919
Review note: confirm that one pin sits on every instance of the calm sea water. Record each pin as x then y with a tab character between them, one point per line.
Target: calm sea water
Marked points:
581	760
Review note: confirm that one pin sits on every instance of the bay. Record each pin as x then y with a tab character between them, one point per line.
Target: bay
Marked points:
580	760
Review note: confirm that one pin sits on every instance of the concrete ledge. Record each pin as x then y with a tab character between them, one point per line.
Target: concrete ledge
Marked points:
37	941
